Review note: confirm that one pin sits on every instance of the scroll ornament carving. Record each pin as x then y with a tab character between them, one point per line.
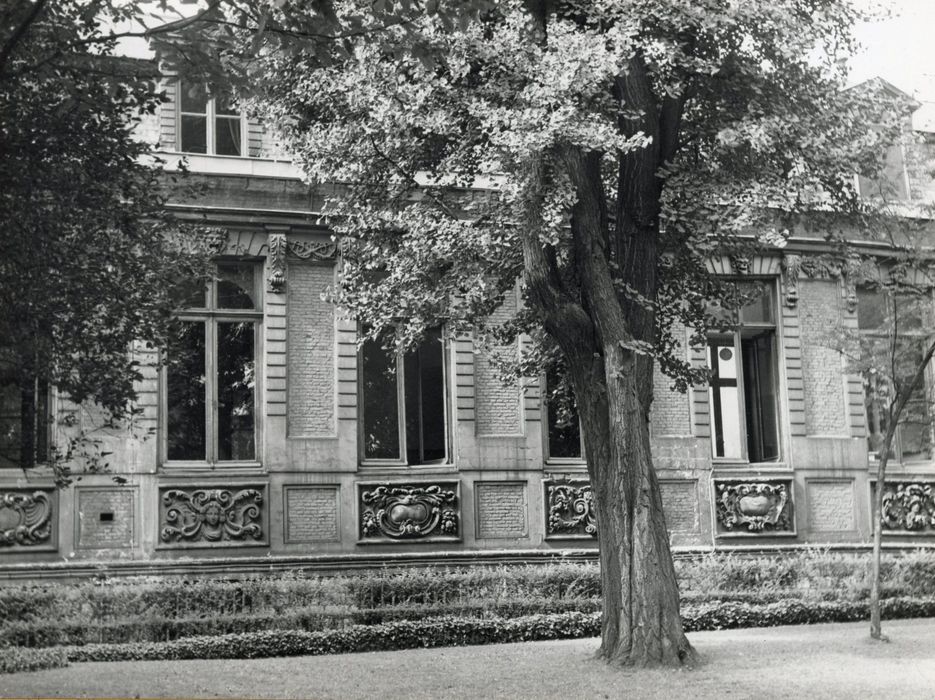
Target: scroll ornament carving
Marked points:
280	246
909	506
791	267
758	507
570	509
211	515
409	512
852	272
25	518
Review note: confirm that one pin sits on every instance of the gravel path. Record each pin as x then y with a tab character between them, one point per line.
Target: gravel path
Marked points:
820	661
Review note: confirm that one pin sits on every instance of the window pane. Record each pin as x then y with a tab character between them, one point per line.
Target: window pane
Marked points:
236	383
760	309
424	370
724	399
564	431
193	98
194	134
236	286
380	402
185	393
760	397
227	136
224	104
871	309
10	424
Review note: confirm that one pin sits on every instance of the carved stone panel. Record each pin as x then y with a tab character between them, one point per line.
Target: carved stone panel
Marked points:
569	509
909	507
395	512
207	516
755	507
26	519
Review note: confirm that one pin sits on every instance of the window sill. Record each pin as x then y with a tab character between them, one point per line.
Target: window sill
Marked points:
566	462
743	464
397	468
202	468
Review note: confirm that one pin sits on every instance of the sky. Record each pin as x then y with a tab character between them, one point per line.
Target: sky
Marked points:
900	49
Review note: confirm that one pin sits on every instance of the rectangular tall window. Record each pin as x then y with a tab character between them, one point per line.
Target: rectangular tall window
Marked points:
24	422
404	402
742	387
893	336
208	124
211	387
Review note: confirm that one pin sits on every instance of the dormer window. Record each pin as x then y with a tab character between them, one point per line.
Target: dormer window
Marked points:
208	123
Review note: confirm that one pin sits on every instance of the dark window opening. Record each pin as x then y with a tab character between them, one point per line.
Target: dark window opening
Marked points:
742	386
564	430
414	384
25	422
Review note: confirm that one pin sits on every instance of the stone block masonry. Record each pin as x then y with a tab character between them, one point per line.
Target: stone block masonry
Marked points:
830	506
498	405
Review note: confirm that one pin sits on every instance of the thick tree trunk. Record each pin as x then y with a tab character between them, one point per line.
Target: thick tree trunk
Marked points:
641	622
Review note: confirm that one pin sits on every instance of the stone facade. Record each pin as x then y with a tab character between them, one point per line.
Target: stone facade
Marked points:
308	491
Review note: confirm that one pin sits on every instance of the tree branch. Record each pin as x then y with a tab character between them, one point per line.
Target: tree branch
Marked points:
18	33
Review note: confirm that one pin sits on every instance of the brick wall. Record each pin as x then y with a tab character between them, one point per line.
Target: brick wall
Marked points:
501	510
830	506
822	369
680	505
106	518
311	513
670	412
311	385
497	404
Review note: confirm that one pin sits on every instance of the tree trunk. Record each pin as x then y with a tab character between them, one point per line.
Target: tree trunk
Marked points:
876	631
641	624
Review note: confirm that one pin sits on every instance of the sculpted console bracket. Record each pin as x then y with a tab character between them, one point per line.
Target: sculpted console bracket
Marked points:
909	507
755	507
26	519
208	517
569	509
280	246
409	511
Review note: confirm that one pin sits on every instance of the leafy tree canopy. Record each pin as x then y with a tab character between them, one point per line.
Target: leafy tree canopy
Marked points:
88	266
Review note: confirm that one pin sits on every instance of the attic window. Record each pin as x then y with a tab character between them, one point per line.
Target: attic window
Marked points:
208	123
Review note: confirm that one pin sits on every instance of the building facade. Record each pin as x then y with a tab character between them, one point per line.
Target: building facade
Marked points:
270	434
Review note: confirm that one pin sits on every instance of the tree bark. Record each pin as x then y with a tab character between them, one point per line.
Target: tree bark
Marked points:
876	629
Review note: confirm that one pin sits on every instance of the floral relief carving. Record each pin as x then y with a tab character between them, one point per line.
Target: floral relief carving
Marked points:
909	506
754	507
25	518
277	262
570	509
212	515
409	511
791	267
280	246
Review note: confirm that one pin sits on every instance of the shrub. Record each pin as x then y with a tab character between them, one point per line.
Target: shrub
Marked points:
16	660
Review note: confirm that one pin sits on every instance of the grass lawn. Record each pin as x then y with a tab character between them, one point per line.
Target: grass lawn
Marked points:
819	661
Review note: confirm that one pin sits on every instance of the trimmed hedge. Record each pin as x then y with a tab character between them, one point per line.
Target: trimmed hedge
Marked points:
16	660
448	631
451	631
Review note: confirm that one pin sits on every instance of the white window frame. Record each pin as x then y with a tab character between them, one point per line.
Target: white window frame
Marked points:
898	459
211	316
744	458
211	116
401	413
